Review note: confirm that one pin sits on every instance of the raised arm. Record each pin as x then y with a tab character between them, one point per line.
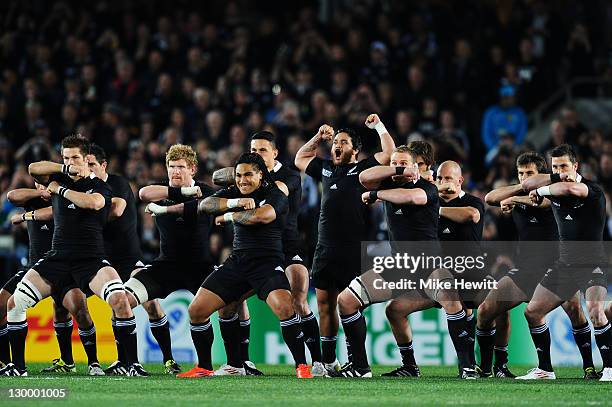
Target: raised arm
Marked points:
374	176
386	141
263	215
93	201
398	196
224	177
463	214
214	205
576	189
43	214
41	170
20	196
309	150
495	197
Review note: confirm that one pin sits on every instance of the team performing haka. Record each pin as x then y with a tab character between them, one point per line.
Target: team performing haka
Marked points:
89	213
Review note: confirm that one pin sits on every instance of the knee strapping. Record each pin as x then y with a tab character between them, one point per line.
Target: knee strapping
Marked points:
111	287
26	296
137	289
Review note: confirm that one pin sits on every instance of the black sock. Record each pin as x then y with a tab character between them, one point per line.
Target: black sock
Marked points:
582	336
603	339
501	355
120	349
354	326
486	340
294	338
126	334
472	332
310	327
160	328
88	339
203	337
458	329
5	349
349	351
230	332
328	347
245	338
407	352
63	332
541	340
18	331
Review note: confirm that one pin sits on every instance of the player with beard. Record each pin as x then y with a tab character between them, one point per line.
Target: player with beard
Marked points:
184	260
579	206
264	144
122	245
81	203
411	207
256	263
39	218
534	224
342	220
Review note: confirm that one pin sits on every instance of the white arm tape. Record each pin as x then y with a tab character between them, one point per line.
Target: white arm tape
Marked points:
232	203
544	191
380	128
228	217
189	191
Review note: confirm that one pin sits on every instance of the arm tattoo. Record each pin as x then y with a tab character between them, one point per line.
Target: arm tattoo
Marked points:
224	177
245	217
210	205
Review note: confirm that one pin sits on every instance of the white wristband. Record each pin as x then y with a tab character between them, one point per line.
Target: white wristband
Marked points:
380	128
189	191
157	209
544	191
232	203
228	217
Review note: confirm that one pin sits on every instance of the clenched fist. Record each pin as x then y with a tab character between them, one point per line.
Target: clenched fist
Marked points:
372	121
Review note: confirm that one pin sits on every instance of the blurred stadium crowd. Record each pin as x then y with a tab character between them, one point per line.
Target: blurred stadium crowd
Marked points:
138	76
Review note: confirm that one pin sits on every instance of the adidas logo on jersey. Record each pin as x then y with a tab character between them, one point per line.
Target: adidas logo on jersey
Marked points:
399	212
351	171
597	271
180	219
533	220
447	230
44	227
279	268
297	258
568	217
71	206
333	187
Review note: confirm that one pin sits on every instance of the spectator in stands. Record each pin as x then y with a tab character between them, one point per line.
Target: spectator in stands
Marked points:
502	119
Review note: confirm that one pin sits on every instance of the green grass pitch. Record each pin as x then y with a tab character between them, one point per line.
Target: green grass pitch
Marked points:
437	387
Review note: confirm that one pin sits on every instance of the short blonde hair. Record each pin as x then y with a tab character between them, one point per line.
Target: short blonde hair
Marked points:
182	152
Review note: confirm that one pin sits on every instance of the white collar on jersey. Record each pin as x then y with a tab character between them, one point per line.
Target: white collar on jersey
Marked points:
105	178
277	166
92	175
578	177
461	194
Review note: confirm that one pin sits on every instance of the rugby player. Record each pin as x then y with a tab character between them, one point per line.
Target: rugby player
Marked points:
256	263
81	203
534	224
579	207
264	144
342	220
